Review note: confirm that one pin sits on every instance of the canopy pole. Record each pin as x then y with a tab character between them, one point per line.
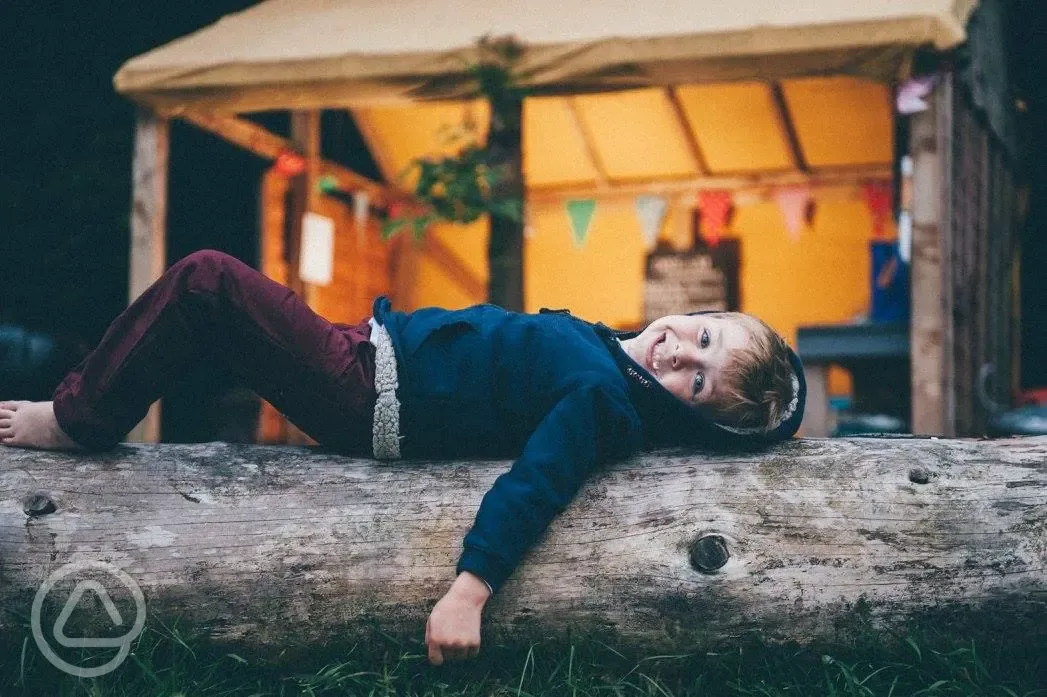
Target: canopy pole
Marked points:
305	136
505	286
931	324
148	253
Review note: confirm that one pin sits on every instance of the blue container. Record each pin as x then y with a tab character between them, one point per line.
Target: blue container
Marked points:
890	284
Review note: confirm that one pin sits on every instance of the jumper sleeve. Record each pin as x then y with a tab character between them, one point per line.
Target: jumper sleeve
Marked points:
588	427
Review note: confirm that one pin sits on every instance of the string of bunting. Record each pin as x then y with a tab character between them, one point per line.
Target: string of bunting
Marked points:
716	207
796	202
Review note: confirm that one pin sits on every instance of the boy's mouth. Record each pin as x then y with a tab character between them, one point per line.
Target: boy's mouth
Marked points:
653	361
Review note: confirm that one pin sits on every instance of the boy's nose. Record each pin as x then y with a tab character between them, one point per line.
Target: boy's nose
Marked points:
685	355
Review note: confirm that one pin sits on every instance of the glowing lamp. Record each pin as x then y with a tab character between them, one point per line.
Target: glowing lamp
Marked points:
290	164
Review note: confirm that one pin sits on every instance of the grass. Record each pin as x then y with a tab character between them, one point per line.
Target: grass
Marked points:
166	663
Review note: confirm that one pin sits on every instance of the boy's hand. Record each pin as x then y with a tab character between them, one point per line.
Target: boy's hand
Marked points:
453	629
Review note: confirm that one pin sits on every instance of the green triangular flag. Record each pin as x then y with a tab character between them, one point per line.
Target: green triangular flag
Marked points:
580	213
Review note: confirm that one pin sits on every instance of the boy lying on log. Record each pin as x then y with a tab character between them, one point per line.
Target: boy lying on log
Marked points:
561	394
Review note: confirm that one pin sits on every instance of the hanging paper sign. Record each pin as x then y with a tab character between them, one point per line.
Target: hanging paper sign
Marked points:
580	214
715	207
316	262
793	202
361	208
651	212
877	197
290	163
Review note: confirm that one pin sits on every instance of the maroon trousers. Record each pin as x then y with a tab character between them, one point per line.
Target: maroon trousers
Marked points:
210	310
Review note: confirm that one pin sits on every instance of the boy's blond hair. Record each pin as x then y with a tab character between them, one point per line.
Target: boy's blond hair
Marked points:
758	380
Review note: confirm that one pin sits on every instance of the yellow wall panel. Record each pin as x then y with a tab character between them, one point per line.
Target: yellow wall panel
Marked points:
554	152
398	134
841	120
637	134
431	283
602	280
736	126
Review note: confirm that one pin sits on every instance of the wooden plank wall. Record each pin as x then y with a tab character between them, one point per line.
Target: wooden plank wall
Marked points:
361	269
984	205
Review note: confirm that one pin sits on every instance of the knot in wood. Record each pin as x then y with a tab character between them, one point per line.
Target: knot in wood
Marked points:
918	475
709	553
37	504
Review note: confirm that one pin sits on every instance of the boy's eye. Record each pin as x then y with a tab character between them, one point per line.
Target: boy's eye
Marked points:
699	383
704	341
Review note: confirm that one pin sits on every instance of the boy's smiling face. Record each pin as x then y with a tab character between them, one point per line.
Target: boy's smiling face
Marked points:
687	354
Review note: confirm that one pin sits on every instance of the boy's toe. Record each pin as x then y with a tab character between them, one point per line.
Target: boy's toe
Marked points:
9	406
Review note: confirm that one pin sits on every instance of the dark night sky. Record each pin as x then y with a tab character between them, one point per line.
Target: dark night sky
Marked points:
65	153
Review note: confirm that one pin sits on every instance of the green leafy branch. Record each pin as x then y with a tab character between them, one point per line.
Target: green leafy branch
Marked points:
479	179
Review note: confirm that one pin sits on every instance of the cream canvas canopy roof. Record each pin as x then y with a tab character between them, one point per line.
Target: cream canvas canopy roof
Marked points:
325	53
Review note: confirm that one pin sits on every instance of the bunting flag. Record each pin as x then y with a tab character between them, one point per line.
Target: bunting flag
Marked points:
361	209
877	196
793	202
715	207
651	212
910	98
580	212
327	184
290	164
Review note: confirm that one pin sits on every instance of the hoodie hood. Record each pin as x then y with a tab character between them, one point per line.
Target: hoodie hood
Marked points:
671	422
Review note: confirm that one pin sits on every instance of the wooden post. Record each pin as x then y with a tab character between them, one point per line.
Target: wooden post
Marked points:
505	285
816	415
305	136
931	319
148	256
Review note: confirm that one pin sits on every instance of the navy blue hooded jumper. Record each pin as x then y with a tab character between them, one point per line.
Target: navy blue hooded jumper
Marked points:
557	392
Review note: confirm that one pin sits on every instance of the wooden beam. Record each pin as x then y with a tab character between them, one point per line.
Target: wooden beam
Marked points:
266	144
305	196
305	137
693	146
788	128
931	323
817	417
761	181
588	141
241	132
148	254
275	546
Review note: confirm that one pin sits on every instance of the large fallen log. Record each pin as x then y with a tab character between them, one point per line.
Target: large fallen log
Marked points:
271	546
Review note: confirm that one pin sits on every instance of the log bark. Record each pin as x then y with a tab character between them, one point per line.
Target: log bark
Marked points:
278	546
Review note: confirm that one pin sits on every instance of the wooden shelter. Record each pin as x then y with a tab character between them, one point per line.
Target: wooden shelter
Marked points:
747	97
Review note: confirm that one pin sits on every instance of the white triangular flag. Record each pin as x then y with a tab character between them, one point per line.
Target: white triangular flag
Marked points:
792	202
651	212
361	208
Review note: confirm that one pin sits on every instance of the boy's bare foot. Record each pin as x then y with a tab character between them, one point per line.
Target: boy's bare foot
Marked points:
32	425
